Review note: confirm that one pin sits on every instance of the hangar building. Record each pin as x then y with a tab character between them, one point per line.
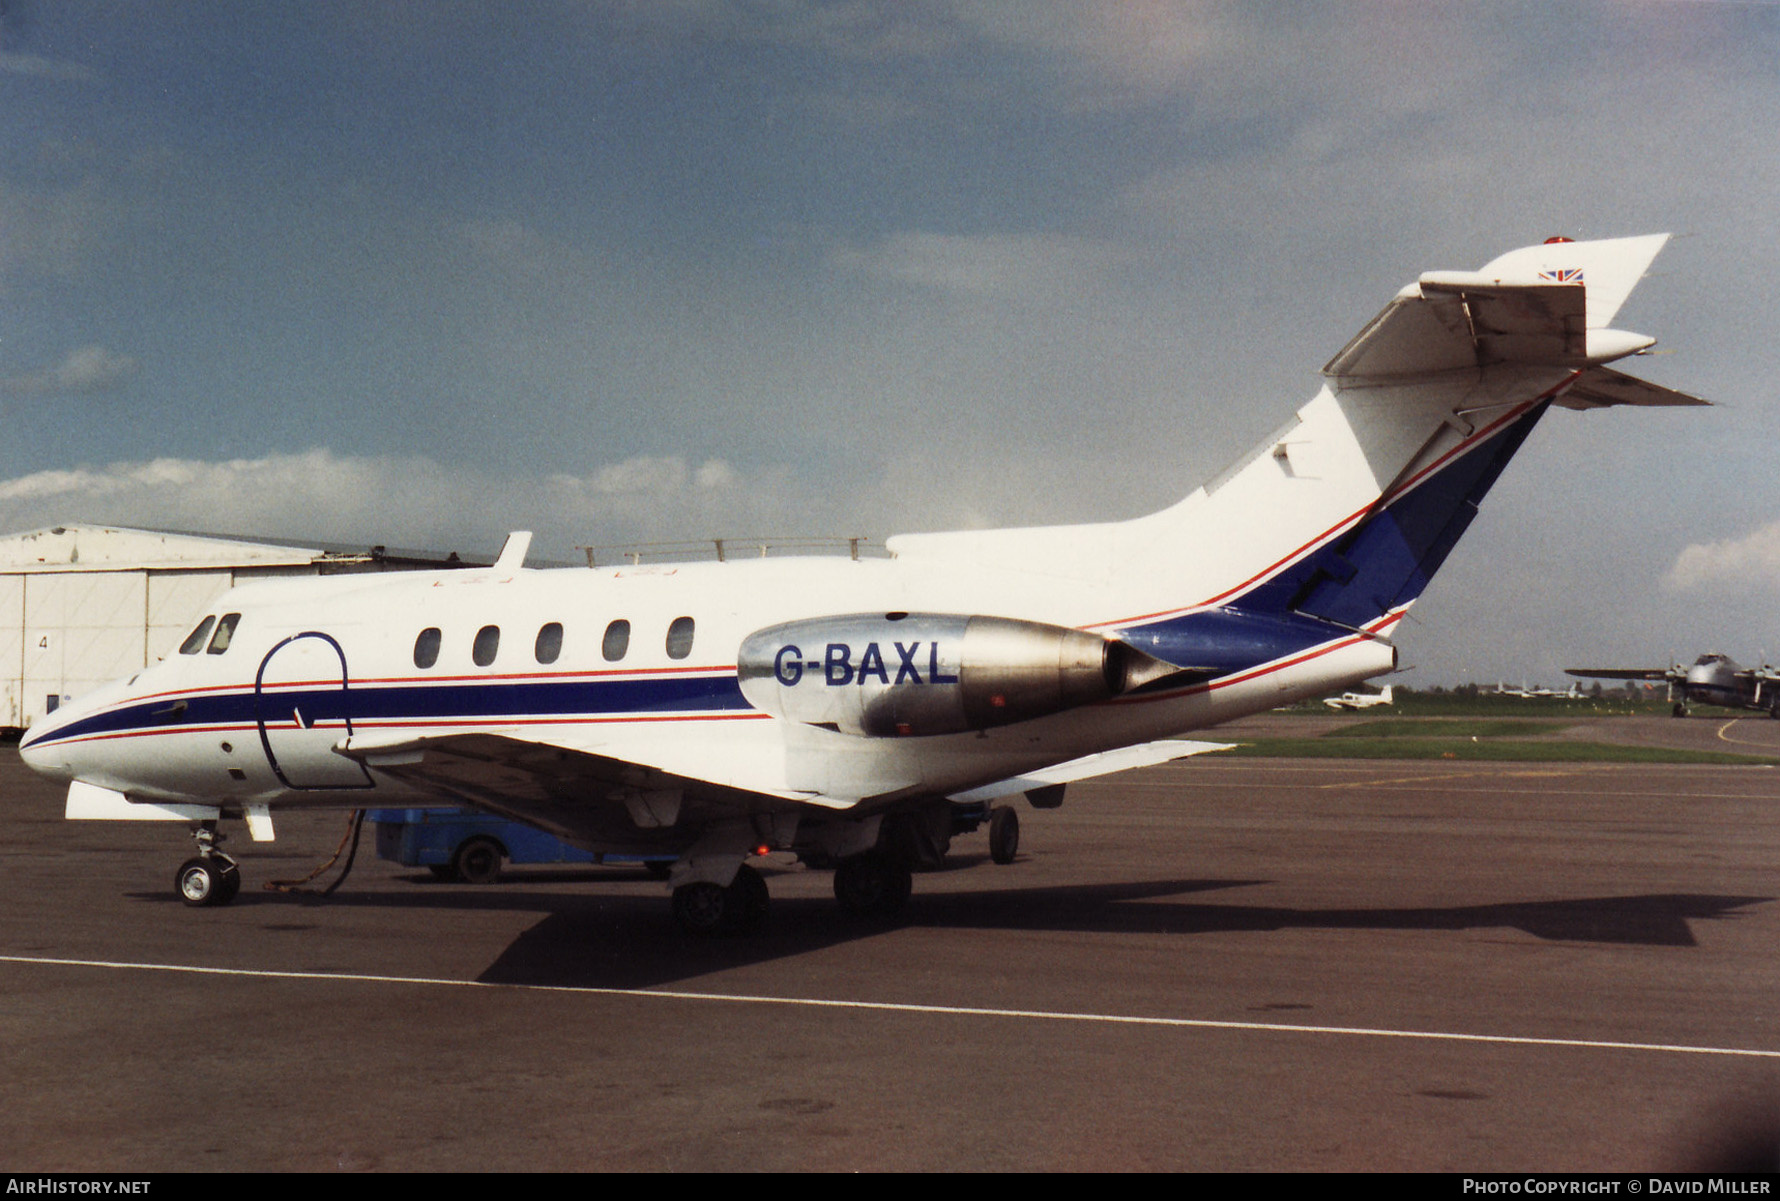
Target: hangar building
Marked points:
81	605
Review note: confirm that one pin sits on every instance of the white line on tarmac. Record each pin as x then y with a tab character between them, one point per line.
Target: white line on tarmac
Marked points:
901	1007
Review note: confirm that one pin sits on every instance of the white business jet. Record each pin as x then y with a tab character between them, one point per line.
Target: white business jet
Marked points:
838	708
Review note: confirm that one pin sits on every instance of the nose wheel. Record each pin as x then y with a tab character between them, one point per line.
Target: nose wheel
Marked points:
204	881
209	877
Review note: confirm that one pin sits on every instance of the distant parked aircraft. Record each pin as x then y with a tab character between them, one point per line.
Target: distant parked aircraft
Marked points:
1713	679
1359	700
1573	692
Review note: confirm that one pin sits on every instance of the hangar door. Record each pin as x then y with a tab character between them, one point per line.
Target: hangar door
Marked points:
81	630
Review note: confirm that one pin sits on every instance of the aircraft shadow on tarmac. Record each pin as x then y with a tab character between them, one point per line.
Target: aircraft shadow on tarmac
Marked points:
627	939
633	944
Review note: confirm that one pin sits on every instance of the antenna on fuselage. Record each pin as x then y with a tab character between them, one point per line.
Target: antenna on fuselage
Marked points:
512	556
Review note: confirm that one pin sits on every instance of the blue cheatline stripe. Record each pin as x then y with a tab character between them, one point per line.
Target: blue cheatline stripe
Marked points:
1382	564
495	700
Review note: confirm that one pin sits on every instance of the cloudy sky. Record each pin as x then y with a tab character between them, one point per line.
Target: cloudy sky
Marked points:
418	273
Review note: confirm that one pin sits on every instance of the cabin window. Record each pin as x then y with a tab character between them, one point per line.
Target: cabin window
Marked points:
194	641
225	633
488	641
549	644
679	639
617	641
426	647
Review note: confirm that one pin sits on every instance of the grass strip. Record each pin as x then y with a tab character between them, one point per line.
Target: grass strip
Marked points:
1493	750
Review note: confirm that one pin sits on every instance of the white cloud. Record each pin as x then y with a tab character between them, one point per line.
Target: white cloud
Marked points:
1018	267
1730	564
13	63
88	369
324	496
49	231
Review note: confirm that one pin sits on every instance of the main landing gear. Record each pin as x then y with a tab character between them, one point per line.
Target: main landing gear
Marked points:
210	877
873	861
873	886
709	910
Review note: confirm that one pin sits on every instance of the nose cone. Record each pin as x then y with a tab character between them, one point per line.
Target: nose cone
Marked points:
42	751
54	743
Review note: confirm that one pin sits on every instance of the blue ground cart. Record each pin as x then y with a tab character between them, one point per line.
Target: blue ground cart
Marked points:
462	844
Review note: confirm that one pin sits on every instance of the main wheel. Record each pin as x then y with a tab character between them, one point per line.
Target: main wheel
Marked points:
478	861
708	910
872	885
1679	710
204	882
1004	835
700	908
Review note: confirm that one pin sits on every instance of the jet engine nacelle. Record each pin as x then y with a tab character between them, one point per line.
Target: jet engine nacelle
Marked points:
901	674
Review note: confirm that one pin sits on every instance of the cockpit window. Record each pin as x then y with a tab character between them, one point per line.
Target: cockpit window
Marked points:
426	647
225	633
194	641
679	639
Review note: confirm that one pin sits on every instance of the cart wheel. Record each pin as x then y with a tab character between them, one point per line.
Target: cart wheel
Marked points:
478	861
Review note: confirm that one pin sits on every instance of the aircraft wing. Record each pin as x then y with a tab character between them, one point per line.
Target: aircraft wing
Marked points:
1144	754
571	793
1625	673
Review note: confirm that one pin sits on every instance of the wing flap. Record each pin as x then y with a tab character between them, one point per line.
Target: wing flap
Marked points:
1144	754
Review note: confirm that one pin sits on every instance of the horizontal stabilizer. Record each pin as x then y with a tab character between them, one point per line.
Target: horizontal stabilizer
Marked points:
1547	304
1603	386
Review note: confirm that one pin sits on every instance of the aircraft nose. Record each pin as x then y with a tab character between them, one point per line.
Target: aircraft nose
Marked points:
46	745
41	752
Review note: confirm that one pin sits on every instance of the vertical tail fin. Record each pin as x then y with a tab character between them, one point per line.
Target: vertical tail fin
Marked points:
1339	520
1347	514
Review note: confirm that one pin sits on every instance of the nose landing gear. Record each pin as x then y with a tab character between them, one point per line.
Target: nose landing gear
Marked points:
210	877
